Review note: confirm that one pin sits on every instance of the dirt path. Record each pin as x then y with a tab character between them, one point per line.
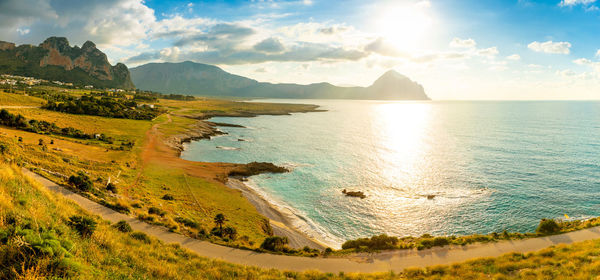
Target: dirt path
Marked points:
386	261
18	107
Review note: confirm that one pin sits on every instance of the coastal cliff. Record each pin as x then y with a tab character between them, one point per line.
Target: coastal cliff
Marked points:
55	59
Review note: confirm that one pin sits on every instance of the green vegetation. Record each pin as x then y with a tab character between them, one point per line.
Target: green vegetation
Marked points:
42	127
82	181
84	225
548	226
384	242
105	107
123	226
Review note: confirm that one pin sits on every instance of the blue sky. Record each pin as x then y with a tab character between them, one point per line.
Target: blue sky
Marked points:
520	49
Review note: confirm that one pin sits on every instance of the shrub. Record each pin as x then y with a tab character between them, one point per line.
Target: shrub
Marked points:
123	226
230	232
84	225
111	188
547	226
187	222
141	237
157	211
81	181
3	148
168	197
275	243
440	241
379	242
120	207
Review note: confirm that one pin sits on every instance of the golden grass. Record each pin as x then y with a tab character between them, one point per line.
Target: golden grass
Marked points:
117	128
11	99
110	254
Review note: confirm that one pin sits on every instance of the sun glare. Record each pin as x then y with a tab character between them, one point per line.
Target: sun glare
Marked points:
403	26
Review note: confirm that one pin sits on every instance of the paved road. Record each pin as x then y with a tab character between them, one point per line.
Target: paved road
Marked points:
386	261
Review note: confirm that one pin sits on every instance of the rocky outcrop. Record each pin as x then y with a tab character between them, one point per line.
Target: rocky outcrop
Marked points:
55	59
6	46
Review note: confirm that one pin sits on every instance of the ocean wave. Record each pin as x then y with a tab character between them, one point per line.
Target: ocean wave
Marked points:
227	148
293	165
299	220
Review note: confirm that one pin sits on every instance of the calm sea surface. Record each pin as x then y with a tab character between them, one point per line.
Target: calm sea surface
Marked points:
490	165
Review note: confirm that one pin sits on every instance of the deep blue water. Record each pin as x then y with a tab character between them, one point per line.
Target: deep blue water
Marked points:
491	165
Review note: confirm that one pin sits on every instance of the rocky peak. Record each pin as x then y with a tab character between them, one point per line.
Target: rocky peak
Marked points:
60	44
88	45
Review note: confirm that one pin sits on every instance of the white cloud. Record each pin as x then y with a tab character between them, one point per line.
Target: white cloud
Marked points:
551	47
489	52
23	31
463	43
569	3
582	61
307	2
514	57
598	53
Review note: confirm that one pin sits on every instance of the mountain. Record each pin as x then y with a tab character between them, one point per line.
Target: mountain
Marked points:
55	59
202	79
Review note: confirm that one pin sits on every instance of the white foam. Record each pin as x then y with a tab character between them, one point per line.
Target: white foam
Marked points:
299	220
227	148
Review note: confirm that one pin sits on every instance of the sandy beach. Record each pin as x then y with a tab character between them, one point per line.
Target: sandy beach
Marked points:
280	220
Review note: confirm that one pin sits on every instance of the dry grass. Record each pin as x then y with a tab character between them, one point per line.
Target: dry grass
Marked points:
11	99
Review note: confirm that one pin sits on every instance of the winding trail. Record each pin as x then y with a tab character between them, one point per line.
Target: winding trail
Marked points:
385	261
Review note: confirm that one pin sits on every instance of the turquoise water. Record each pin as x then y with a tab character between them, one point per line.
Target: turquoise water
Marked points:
490	165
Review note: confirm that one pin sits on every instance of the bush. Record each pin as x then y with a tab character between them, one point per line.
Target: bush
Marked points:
157	211
440	241
81	181
141	237
84	225
123	226
168	197
547	226
275	243
120	207
187	222
379	242
111	188
230	232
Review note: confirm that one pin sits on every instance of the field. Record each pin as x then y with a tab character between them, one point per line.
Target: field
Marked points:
10	99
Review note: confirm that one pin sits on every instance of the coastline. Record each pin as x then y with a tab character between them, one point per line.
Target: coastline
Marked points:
281	222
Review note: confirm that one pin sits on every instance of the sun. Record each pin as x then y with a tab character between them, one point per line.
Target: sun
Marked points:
403	26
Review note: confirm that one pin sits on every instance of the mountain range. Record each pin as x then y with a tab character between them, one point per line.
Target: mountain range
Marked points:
208	80
55	59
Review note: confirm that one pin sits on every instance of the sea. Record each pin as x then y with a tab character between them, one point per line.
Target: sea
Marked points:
435	167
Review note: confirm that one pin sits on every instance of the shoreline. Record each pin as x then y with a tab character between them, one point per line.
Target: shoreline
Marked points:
281	223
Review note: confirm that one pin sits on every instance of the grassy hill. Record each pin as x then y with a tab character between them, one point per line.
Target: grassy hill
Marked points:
39	241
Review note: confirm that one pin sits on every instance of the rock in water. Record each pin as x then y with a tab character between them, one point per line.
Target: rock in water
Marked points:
354	193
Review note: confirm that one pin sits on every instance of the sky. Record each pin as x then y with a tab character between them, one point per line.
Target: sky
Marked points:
458	50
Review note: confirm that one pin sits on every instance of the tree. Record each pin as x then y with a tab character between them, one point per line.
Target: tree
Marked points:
220	220
41	142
